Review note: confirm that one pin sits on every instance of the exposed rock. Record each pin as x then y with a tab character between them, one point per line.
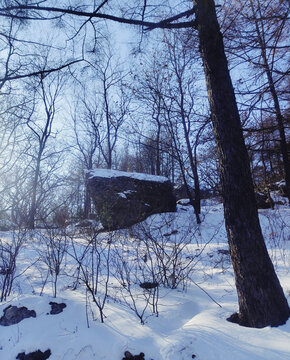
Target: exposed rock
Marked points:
262	200
56	308
13	315
36	355
223	252
148	285
129	356
124	199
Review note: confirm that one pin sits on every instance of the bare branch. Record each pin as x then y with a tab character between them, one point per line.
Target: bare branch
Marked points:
40	72
164	24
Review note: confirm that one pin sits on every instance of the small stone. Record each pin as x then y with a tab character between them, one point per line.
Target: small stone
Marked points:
129	356
56	308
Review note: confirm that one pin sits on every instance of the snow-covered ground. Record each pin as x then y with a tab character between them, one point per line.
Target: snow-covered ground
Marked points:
191	320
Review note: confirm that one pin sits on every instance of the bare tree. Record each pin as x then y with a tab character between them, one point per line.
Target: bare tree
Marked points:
109	104
54	244
9	252
86	130
257	33
48	90
93	262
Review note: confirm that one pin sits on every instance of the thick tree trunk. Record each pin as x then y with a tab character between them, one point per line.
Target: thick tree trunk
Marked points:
261	298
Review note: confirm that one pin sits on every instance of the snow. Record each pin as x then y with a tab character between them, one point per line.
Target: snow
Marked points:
192	317
122	195
108	173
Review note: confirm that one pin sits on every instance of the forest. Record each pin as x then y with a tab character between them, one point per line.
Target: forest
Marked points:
194	91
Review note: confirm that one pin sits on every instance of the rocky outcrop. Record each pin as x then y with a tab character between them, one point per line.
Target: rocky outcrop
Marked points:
124	199
13	315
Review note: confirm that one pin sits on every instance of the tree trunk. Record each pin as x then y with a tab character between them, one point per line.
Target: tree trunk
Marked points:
158	152
192	161
182	169
32	211
261	298
87	202
193	167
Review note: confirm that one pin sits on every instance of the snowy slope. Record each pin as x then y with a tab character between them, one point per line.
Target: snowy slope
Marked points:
191	321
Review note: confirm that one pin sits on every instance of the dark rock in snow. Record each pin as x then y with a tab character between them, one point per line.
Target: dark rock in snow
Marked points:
124	199
223	252
129	356
148	285
36	355
13	315
56	308
262	201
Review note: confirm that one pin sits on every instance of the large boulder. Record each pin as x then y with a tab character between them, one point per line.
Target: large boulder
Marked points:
124	199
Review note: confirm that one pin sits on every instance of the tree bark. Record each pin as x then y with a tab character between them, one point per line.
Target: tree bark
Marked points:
261	298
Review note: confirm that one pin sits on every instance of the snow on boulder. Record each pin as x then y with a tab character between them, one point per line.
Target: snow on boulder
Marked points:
123	199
